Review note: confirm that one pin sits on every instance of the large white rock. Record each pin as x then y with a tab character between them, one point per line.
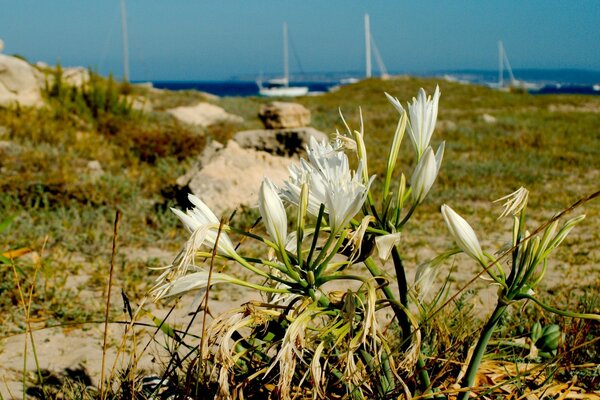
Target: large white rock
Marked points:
19	83
229	176
203	114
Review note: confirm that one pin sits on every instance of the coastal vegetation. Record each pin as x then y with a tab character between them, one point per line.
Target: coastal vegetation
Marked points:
87	183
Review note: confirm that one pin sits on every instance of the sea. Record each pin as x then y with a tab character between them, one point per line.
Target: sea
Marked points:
538	81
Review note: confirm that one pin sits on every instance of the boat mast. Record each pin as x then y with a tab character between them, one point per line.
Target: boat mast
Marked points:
125	42
367	46
503	61
286	67
500	64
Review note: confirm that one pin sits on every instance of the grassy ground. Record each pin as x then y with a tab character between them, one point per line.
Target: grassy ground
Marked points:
62	208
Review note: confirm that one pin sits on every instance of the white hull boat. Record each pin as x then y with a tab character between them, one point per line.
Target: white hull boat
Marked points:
280	87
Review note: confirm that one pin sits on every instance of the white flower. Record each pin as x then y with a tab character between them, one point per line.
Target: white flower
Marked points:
344	198
515	202
200	218
463	234
425	173
299	175
273	213
331	182
423	116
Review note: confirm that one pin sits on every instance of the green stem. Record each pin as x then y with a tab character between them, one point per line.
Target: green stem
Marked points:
479	351
403	291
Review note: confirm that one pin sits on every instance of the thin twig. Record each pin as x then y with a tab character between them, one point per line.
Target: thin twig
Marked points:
206	296
107	308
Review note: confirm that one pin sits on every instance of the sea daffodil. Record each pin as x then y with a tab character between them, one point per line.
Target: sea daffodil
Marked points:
423	116
463	234
425	173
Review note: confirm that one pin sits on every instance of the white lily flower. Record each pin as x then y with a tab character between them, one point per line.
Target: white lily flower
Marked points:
425	173
345	197
331	183
423	116
299	175
273	213
463	234
200	217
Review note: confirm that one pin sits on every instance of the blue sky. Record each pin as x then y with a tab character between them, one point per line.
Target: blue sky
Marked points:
212	40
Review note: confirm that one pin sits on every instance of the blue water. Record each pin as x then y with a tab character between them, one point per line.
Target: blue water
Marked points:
567	81
232	88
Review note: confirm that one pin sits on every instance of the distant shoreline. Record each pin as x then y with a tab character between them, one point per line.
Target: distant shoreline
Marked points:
239	88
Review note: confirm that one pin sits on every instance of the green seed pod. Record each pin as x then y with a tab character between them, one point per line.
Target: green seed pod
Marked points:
550	339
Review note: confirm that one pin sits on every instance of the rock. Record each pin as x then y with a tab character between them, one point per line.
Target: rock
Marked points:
94	169
281	142
229	176
203	114
75	76
19	83
140	103
446	125
281	115
9	148
488	119
1	45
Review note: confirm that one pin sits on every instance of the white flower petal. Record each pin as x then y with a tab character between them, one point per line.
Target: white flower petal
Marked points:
273	213
385	244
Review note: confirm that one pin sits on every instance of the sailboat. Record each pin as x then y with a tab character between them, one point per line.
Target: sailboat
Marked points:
512	83
370	47
280	87
370	50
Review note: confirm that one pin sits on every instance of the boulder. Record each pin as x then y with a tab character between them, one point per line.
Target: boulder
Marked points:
280	142
281	115
228	176
203	114
19	83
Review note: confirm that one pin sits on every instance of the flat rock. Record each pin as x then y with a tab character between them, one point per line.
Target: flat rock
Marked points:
281	142
282	115
203	114
19	83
